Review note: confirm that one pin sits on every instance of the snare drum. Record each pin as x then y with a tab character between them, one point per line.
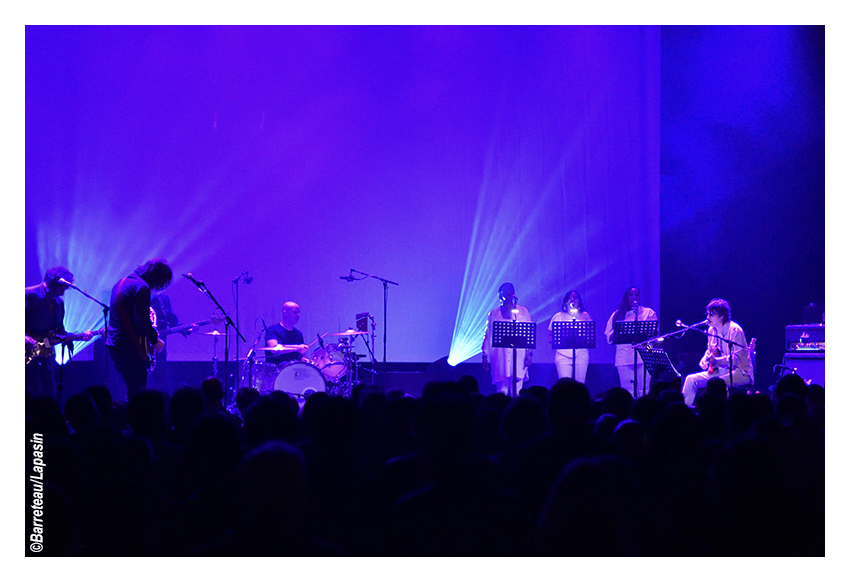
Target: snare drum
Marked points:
295	378
331	361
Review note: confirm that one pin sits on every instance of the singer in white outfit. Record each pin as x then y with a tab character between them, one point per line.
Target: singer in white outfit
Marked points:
629	309
716	359
499	361
572	309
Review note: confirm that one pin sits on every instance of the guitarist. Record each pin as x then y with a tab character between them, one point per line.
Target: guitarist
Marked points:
716	359
130	330
44	317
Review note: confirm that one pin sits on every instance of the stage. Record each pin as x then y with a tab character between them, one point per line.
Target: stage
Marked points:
408	377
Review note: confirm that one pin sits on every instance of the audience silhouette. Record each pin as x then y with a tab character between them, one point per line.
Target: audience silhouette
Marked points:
454	472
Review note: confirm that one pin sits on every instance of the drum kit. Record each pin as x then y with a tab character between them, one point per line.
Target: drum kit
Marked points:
332	368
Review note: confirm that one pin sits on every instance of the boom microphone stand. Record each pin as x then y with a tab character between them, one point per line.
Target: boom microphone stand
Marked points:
385	282
105	309
243	276
228	323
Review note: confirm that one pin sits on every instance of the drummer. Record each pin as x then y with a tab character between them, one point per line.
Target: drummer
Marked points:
285	336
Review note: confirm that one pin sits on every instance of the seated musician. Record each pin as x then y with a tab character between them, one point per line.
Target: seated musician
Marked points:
285	337
715	362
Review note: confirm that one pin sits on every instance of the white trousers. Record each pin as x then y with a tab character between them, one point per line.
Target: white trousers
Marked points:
627	377
564	364
694	382
505	386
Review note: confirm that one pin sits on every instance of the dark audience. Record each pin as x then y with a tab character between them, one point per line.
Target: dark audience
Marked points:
455	472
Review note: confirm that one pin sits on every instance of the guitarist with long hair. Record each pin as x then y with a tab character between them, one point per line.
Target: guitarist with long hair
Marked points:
44	327
131	330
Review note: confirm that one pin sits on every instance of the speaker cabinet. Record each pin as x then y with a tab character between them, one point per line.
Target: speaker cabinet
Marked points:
810	367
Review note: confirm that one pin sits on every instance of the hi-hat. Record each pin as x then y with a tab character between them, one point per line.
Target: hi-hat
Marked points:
350	332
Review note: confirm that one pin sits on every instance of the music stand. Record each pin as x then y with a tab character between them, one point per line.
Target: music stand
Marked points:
634	332
574	335
514	335
656	361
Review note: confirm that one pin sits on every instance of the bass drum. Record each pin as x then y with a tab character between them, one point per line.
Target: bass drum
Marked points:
331	361
298	379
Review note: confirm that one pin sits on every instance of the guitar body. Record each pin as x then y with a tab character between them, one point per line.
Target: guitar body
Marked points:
713	369
45	348
149	349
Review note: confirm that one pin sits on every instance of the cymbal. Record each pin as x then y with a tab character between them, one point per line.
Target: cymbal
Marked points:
213	332
279	350
350	332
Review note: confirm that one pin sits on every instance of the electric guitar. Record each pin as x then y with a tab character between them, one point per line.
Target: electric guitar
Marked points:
215	320
751	352
44	348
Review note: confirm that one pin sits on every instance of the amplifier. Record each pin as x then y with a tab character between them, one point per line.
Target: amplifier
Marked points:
806	338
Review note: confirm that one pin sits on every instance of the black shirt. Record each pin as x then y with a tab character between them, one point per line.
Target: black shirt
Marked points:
43	314
129	315
284	337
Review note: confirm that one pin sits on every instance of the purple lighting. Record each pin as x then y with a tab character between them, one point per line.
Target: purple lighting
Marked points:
299	152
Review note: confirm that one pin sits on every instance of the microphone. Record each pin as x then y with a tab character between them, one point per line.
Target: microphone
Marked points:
244	275
264	323
680	324
67	283
348	278
191	277
321	343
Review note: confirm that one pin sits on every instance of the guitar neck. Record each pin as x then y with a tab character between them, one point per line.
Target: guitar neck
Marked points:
79	336
184	327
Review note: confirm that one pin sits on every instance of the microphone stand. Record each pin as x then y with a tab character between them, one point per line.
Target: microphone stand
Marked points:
369	347
249	358
634	353
385	282
228	323
574	315
730	343
236	283
105	309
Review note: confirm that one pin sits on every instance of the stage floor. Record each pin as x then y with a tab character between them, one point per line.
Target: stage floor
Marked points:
408	377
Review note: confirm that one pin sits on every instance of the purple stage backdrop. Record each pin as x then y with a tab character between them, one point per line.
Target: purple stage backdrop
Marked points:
446	159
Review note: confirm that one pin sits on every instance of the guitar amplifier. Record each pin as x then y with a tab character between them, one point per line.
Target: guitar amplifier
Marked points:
805	338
